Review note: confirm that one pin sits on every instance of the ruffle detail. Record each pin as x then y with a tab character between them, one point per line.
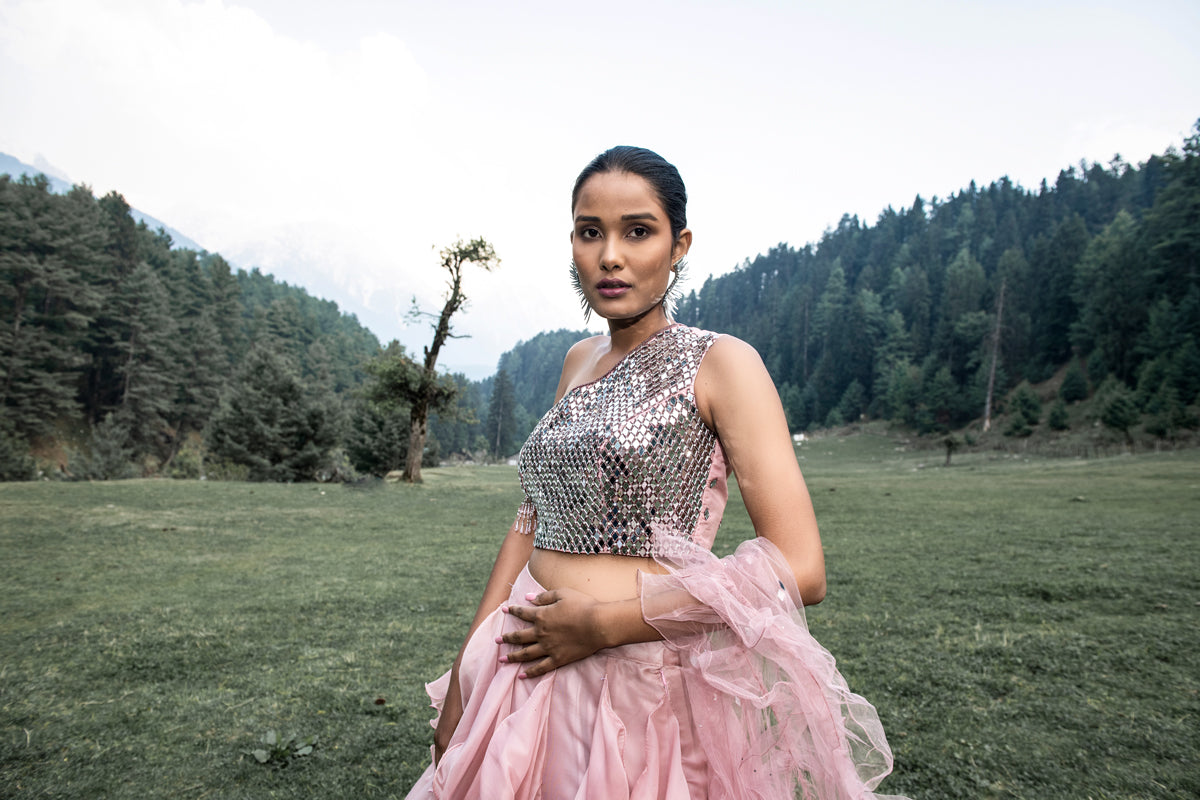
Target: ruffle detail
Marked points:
616	725
765	694
738	703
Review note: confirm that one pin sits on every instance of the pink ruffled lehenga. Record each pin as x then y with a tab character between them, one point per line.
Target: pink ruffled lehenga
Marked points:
737	701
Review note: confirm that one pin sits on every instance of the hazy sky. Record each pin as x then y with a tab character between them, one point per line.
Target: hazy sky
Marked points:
337	145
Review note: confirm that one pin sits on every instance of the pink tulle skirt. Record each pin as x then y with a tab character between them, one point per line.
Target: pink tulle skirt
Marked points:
738	701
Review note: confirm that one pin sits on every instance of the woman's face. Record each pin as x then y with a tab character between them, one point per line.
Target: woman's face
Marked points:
622	246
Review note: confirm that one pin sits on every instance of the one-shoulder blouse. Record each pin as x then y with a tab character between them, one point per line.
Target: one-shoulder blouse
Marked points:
622	464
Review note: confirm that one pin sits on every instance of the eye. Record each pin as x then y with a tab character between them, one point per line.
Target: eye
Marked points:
589	233
639	232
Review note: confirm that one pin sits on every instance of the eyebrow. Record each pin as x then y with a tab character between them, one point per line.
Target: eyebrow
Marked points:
624	217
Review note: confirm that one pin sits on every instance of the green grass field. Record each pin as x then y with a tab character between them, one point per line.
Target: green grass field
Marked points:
1027	629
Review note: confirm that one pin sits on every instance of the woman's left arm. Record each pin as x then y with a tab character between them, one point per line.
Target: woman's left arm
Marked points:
736	397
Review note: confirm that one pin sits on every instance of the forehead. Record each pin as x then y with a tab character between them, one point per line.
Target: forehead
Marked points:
617	192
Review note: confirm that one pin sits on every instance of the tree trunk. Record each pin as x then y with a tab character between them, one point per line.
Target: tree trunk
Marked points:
416	440
417	427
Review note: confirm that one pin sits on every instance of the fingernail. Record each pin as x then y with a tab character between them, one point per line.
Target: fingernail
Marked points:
522	675
503	609
503	659
499	640
531	596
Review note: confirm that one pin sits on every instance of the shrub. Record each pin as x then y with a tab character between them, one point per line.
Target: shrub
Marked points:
188	463
15	462
1026	403
108	456
1120	412
1058	419
1074	386
1018	426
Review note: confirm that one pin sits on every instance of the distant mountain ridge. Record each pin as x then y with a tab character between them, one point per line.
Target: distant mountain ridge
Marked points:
15	167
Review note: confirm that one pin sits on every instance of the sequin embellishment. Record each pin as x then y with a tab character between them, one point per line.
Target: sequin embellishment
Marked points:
622	454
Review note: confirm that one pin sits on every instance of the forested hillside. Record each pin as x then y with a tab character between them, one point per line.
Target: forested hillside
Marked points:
123	355
905	319
120	355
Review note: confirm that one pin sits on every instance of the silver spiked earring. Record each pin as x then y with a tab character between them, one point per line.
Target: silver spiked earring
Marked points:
587	308
672	296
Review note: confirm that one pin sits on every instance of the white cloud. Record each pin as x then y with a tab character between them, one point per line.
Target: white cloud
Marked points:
338	146
255	144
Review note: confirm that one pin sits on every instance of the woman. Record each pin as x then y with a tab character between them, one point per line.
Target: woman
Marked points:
612	654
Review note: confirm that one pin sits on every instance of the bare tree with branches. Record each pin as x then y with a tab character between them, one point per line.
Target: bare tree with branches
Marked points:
425	391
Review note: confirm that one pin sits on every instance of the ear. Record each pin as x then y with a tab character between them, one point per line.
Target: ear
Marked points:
682	245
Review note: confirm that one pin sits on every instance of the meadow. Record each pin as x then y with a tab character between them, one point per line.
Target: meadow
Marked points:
1027	628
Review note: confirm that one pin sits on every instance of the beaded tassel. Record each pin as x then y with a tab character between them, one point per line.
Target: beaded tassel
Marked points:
526	517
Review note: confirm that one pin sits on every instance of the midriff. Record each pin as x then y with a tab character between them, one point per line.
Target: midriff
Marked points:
603	576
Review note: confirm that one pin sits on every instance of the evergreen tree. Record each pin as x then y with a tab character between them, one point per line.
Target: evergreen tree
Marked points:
1120	412
1058	419
270	422
903	393
15	461
146	369
1052	299
1026	404
939	395
458	428
109	455
1112	292
1074	386
46	304
1183	371
1171	235
853	402
377	439
501	419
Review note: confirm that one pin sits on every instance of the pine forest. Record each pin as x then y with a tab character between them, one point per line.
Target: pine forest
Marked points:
1001	306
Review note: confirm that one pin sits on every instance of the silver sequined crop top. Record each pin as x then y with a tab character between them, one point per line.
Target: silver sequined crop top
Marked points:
626	458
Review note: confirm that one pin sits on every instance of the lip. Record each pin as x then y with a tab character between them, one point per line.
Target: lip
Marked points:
612	288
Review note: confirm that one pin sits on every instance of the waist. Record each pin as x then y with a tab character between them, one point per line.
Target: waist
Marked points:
603	576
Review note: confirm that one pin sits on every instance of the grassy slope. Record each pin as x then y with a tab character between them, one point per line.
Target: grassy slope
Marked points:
1027	629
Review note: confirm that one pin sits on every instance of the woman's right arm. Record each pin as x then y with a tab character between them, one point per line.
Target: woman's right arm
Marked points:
514	554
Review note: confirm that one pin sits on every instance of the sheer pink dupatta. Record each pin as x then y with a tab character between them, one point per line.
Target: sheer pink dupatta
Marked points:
771	709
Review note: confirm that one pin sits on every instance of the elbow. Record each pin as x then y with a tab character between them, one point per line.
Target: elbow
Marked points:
813	593
808	570
812	586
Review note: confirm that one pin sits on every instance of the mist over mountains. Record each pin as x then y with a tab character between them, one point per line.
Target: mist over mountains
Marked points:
61	184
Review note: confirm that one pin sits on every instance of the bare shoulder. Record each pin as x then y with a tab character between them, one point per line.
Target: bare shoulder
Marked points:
732	370
729	359
579	358
584	349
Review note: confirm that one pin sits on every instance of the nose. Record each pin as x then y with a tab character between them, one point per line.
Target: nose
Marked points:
610	256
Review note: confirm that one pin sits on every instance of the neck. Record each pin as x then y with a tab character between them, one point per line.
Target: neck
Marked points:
626	334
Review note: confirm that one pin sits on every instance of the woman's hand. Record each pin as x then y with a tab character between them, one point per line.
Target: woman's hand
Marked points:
564	626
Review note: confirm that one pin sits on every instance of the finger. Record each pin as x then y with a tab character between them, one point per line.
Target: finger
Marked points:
543	599
519	638
531	653
541	667
522	612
